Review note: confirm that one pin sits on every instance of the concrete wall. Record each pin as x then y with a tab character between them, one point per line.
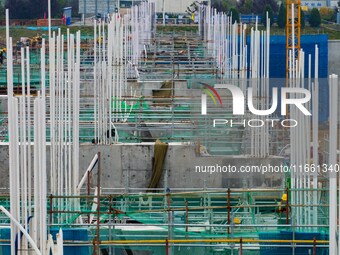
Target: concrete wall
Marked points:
171	6
131	165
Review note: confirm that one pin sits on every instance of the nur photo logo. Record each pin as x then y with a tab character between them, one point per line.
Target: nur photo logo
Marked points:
238	99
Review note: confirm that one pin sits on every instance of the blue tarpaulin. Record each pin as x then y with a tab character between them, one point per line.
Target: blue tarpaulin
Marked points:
277	69
308	42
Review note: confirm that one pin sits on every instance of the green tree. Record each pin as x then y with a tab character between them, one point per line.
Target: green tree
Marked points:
245	6
31	9
281	19
2	11
315	18
260	5
220	5
302	17
268	9
235	15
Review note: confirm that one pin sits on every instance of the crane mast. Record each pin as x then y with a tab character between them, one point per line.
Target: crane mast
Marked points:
293	33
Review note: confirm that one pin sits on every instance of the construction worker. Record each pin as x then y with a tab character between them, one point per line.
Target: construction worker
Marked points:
2	55
283	203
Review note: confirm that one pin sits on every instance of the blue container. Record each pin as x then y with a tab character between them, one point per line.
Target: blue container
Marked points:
68	21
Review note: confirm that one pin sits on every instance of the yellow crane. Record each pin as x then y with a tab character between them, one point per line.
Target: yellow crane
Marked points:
293	30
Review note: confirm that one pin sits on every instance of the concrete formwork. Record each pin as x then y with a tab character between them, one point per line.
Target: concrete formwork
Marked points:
130	165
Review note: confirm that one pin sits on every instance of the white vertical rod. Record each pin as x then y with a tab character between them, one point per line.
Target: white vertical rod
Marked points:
52	115
49	20
315	130
76	115
9	58
43	168
29	153
37	204
333	123
96	134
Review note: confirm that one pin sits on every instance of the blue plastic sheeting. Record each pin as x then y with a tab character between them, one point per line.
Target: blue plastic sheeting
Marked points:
277	68
5	234
288	235
69	234
278	54
308	42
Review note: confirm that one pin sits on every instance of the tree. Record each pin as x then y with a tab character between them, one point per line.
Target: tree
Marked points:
235	15
270	16
220	5
75	8
302	17
245	6
281	19
2	11
328	14
32	9
315	18
260	5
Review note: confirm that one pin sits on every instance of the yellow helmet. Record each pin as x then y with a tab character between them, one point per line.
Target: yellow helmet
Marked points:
284	197
237	220
4	49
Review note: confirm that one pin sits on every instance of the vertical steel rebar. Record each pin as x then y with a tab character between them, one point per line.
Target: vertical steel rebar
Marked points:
228	208
240	253
98	205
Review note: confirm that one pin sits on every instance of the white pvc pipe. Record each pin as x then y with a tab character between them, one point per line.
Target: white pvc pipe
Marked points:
60	242
49	20
87	172
315	120
333	123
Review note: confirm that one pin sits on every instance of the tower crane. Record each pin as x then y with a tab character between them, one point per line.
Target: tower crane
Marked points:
293	32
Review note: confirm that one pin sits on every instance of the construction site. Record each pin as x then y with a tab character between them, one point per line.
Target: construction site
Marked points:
139	141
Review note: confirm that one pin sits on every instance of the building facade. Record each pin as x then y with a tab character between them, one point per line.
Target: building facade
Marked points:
91	7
